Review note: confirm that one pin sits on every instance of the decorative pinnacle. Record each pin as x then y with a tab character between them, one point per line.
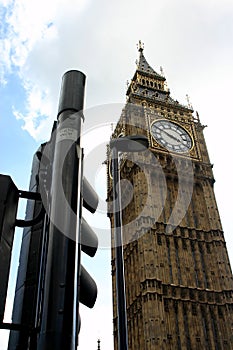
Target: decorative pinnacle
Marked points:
140	46
98	342
197	114
188	100
161	71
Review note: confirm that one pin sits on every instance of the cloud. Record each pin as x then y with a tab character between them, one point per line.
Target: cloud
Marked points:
44	39
38	109
28	42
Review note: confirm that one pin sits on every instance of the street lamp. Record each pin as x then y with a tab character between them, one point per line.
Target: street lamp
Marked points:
133	143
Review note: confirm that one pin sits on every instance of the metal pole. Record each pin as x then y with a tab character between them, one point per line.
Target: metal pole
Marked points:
58	321
120	280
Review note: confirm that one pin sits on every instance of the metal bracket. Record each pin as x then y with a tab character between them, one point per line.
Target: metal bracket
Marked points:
33	196
13	326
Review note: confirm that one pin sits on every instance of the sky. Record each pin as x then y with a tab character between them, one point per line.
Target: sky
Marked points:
41	40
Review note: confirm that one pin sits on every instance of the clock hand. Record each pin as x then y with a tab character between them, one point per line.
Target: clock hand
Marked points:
173	137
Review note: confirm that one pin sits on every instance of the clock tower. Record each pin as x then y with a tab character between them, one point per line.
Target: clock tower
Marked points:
178	279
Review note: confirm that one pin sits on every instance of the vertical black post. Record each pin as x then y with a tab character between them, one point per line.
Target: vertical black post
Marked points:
29	276
120	280
58	318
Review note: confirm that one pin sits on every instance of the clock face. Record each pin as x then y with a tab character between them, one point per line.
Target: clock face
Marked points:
171	136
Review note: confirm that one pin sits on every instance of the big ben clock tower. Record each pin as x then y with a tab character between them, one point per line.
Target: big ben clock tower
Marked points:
178	279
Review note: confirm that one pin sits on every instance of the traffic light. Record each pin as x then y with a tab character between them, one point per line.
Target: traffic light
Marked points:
9	197
89	245
66	282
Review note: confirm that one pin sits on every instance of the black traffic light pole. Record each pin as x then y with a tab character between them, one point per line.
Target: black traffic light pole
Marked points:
59	314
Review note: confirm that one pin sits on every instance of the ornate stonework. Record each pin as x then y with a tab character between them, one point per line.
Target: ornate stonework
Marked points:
179	284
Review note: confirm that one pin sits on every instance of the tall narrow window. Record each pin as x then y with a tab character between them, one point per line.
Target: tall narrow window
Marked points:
215	330
186	327
206	284
169	259
177	260
194	263
177	325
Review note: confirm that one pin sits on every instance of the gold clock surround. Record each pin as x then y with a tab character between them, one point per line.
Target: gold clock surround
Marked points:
180	127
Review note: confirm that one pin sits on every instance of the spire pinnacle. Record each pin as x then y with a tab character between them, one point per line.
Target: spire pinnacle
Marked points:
140	46
142	64
189	102
161	71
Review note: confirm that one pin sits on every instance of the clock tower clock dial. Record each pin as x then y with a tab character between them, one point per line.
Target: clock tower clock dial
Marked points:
171	136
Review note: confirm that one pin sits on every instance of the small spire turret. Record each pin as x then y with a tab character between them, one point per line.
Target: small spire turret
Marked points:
188	101
161	71
140	46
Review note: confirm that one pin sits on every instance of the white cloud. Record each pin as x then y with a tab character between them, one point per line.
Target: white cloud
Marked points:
31	29
5	2
44	39
98	42
25	23
38	109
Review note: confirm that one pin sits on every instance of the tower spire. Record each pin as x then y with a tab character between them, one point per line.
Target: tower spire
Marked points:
140	46
143	65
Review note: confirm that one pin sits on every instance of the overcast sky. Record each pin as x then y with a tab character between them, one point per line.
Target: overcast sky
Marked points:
40	40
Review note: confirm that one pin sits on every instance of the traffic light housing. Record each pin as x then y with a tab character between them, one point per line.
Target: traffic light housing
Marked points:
9	197
62	282
89	245
66	283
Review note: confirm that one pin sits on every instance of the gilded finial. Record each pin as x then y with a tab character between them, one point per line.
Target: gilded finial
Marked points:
140	46
188	100
165	82
161	71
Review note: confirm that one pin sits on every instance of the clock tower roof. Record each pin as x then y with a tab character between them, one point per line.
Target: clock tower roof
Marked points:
144	67
147	84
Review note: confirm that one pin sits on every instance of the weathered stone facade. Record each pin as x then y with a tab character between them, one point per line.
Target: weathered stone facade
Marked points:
179	284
